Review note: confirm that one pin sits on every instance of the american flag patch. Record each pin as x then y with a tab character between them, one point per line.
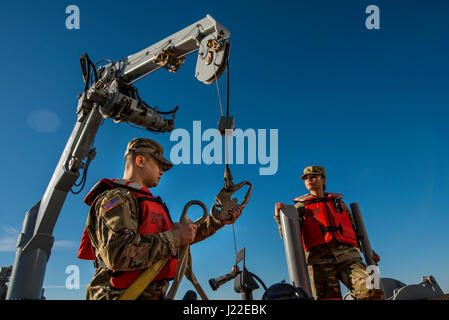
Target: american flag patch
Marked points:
114	202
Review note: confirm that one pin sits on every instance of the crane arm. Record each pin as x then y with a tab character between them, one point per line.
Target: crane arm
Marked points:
206	35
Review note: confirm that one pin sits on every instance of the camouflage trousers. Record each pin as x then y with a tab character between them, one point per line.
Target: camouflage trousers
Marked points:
101	289
325	280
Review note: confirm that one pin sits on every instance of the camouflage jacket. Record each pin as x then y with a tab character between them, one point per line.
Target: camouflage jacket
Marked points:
330	253
119	247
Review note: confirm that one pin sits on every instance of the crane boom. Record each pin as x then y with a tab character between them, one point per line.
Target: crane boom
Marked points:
193	37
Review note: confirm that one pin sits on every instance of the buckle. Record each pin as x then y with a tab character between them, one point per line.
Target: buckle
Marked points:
331	229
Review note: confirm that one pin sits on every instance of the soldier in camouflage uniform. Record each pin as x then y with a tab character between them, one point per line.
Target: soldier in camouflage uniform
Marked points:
113	232
335	261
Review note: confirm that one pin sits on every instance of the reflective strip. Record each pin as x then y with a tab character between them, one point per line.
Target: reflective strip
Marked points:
337	195
303	198
130	184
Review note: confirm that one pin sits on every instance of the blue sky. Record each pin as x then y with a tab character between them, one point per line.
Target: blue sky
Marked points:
369	105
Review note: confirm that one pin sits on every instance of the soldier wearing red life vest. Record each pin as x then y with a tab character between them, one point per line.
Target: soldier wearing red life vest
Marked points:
329	241
128	228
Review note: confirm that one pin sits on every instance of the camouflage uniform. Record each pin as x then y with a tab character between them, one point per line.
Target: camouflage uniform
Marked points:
333	262
118	246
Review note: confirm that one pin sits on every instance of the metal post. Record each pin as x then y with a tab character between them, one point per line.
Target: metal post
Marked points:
27	263
294	249
362	234
363	239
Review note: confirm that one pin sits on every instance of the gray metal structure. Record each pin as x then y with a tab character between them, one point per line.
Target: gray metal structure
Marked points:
111	96
294	249
363	240
427	289
393	289
362	235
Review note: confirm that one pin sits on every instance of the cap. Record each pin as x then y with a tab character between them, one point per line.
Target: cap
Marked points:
314	170
143	145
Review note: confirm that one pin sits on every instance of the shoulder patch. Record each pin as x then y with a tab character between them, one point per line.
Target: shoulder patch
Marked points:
111	203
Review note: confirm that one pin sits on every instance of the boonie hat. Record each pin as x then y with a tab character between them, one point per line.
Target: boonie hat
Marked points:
314	170
144	145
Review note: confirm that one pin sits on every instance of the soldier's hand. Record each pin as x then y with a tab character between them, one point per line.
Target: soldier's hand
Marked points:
185	231
235	213
376	257
278	206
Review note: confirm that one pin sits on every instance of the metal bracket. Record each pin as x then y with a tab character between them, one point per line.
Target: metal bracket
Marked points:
244	282
169	59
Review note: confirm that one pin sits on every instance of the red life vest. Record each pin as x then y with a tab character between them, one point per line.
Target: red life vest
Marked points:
154	218
326	220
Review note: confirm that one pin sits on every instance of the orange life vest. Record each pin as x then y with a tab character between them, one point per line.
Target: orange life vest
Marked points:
154	218
325	221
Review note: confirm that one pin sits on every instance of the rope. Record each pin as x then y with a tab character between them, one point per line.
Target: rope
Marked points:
218	91
226	137
235	242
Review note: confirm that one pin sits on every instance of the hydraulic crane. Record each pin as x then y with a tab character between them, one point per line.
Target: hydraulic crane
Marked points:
110	94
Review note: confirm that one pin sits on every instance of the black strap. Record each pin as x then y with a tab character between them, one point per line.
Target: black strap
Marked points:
167	211
338	206
157	200
115	274
331	229
316	200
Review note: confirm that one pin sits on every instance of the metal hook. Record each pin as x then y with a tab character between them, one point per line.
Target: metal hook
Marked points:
224	202
185	257
186	208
